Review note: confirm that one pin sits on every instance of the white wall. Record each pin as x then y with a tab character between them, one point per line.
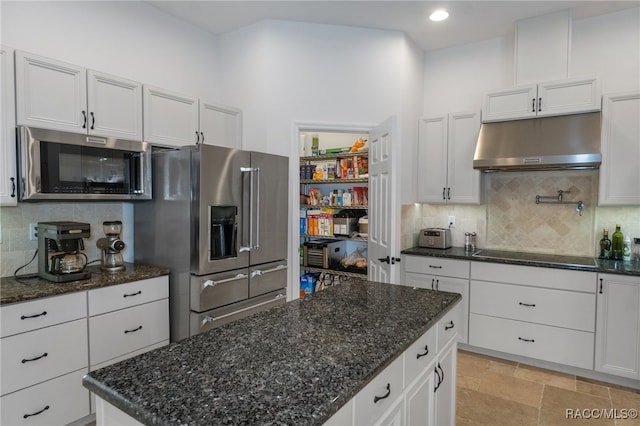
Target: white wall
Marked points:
129	39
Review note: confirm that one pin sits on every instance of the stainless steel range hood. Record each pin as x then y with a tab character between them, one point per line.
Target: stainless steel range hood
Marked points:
562	142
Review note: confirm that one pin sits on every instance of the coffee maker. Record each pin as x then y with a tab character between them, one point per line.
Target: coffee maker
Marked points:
60	246
111	246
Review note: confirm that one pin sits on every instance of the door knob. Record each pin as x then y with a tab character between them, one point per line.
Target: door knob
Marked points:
385	259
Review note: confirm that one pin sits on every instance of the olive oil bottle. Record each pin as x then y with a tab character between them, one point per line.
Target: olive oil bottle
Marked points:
617	244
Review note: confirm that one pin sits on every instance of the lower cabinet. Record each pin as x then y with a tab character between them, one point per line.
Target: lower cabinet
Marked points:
618	325
418	388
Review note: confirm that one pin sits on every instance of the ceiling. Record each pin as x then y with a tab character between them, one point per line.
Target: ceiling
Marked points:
469	21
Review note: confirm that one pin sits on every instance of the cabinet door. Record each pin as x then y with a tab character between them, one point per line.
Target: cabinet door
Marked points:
50	93
618	326
394	416
7	128
508	104
221	126
432	159
461	286
569	96
115	106
419	398
169	118
445	395
619	172
463	182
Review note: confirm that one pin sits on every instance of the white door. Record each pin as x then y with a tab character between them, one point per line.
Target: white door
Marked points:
463	182
221	126
512	103
432	159
7	130
383	203
115	106
569	96
170	118
50	94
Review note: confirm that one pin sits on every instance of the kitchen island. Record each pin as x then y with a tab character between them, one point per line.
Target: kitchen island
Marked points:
294	364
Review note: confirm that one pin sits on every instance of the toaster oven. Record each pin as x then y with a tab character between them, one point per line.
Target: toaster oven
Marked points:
323	253
435	238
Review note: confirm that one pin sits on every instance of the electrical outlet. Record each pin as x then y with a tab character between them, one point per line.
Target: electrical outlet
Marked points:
452	221
33	232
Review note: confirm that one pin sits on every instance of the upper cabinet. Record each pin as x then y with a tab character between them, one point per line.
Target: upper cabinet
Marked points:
567	96
60	96
176	119
619	172
7	129
445	159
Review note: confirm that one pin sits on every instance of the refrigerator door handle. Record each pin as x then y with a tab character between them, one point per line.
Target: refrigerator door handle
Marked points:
267	271
212	283
209	318
257	246
251	171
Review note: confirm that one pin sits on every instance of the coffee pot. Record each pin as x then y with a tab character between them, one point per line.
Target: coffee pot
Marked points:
111	246
60	246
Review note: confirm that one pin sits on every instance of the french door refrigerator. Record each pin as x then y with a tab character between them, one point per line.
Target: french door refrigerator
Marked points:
218	221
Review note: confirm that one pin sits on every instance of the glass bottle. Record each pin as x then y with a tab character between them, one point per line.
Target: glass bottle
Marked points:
617	244
605	245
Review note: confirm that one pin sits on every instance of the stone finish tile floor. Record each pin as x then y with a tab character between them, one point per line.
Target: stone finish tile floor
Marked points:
496	392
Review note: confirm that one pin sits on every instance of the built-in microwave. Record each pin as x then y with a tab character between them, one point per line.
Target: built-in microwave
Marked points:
55	166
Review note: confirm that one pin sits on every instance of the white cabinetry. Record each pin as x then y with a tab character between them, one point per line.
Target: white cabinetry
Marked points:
618	325
126	318
175	119
541	313
7	128
619	172
567	96
444	275
44	356
60	96
445	158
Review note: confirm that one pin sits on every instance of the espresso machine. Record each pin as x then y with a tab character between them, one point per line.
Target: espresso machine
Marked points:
111	246
60	246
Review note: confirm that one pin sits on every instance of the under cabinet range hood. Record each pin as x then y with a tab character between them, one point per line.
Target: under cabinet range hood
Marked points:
549	143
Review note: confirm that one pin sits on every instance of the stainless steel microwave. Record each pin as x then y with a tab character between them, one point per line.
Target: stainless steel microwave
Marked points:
58	166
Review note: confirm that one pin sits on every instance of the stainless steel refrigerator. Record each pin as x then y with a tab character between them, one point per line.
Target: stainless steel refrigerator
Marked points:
218	220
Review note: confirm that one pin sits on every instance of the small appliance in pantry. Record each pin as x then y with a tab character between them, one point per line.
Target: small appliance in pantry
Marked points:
439	238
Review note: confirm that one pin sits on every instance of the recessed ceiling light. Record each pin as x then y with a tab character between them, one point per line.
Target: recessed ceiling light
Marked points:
439	15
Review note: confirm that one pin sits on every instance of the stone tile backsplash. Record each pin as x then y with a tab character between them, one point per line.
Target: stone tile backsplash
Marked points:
510	219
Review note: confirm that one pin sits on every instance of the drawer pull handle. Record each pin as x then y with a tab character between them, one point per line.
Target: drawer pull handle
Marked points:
449	326
133	294
530	305
212	283
386	395
526	340
133	331
435	266
35	414
33	316
426	349
24	360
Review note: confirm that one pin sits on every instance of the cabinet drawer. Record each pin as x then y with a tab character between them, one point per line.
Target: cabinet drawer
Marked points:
368	408
117	333
561	279
450	325
27	316
437	266
216	290
123	296
538	305
554	344
58	402
40	355
419	355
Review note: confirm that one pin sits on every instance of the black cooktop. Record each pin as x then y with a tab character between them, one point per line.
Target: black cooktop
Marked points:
536	257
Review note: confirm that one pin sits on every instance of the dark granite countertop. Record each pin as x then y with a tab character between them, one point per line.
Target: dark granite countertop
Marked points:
13	290
295	364
542	260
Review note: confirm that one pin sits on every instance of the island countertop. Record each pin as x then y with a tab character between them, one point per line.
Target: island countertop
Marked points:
293	364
